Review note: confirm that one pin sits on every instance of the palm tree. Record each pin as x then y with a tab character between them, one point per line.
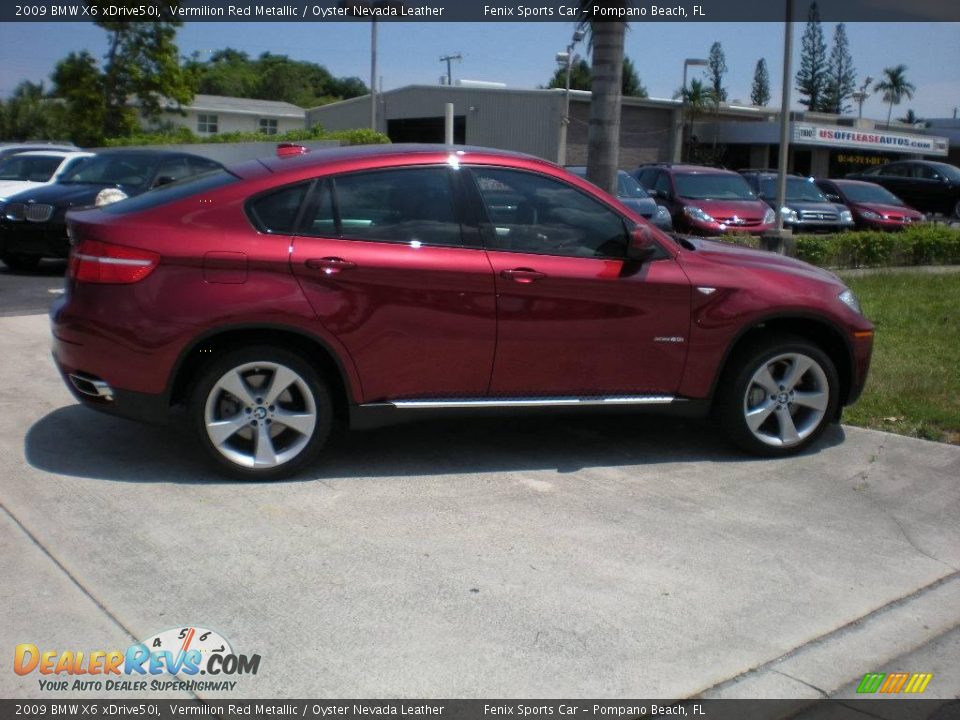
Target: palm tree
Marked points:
894	87
603	134
696	99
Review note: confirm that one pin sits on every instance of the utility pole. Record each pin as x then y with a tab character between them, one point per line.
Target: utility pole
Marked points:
373	75
448	59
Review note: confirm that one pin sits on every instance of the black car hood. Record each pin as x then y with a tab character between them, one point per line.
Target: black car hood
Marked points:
68	195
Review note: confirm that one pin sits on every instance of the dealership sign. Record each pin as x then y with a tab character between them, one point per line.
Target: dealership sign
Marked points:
833	136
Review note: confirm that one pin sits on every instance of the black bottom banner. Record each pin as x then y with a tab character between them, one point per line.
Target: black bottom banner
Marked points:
886	709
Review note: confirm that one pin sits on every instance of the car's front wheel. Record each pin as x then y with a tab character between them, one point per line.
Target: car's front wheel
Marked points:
779	396
261	413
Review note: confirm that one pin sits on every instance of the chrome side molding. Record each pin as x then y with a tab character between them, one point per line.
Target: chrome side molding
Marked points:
506	402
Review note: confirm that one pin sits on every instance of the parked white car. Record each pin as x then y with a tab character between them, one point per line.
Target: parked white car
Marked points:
35	168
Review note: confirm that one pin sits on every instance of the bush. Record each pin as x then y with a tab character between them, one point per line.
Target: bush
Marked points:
917	245
184	136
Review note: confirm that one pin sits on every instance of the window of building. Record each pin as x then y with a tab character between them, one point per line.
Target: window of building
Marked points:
207	123
268	126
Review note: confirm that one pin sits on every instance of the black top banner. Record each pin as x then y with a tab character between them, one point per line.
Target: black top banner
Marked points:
476	11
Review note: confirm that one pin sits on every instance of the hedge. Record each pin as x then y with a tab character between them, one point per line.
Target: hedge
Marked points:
185	136
916	245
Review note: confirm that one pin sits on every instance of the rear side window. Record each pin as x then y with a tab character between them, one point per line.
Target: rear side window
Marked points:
276	212
410	205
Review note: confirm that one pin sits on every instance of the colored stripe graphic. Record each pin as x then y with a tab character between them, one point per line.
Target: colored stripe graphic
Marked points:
918	682
870	683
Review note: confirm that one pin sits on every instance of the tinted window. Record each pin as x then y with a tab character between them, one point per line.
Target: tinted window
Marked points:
797	189
411	205
323	221
35	168
534	214
200	165
646	177
172	169
627	186
114	169
925	172
710	186
171	193
870	193
276	212
662	184
895	171
951	172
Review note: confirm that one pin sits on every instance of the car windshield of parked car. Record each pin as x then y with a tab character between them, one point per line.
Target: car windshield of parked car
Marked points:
129	170
951	172
627	186
33	168
870	193
798	190
172	192
713	187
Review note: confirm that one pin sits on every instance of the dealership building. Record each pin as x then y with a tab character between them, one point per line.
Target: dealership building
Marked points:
733	135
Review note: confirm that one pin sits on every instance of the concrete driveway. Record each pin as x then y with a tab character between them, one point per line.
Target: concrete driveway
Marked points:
586	557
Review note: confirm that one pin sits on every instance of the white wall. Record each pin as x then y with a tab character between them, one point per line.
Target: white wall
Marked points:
231	122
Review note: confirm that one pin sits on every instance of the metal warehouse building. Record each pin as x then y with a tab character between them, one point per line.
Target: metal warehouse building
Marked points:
650	129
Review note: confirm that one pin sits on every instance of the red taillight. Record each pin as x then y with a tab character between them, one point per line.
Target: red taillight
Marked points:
99	262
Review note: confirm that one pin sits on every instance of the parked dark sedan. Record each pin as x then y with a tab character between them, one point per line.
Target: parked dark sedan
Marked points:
922	184
632	194
806	209
32	224
873	207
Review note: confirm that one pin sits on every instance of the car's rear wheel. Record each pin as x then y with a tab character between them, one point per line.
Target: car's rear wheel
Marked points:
261	413
18	261
779	396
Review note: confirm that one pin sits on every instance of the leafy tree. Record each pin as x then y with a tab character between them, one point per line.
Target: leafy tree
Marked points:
841	76
30	114
581	77
716	69
760	90
78	83
697	98
895	87
911	118
142	63
812	76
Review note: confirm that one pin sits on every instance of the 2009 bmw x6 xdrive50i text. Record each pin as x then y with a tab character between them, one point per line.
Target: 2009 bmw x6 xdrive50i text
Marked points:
378	283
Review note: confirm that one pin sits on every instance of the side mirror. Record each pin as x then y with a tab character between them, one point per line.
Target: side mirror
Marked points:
163	180
642	246
832	197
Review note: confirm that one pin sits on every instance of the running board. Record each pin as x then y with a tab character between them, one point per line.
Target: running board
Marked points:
506	402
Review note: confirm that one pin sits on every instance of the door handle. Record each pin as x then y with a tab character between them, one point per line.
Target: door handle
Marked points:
329	265
522	275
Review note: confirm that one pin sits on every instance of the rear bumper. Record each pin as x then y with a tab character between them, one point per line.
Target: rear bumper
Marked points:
128	404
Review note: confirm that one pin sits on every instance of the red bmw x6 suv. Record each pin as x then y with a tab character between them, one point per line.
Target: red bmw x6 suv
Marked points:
367	285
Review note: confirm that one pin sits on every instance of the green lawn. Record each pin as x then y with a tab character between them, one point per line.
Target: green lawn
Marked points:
914	383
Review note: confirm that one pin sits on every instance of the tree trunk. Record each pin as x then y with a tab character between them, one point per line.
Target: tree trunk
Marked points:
889	113
603	136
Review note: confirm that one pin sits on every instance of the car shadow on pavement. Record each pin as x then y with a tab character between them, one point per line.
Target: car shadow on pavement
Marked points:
79	442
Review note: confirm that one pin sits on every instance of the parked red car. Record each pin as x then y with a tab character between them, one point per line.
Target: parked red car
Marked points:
873	206
371	284
706	200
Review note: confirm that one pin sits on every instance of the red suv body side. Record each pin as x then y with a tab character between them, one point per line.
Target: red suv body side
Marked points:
401	321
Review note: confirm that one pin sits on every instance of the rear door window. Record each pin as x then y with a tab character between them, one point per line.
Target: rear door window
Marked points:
276	212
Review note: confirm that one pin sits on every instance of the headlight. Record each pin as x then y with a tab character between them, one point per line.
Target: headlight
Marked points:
870	215
846	216
768	217
850	300
788	214
697	214
109	195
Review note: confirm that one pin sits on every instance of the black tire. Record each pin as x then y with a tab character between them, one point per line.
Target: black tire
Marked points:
774	352
956	210
237	455
20	262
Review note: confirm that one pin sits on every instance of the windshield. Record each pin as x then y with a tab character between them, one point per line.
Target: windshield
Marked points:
131	170
870	193
35	168
949	171
713	187
797	189
627	186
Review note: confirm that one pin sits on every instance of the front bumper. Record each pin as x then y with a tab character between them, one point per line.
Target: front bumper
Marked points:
813	226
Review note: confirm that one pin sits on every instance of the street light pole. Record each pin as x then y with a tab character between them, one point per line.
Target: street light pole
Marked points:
568	59
862	95
784	117
373	75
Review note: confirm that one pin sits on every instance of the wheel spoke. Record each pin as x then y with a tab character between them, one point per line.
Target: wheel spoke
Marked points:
265	455
799	365
222	430
281	380
757	416
816	400
788	431
234	384
301	422
764	379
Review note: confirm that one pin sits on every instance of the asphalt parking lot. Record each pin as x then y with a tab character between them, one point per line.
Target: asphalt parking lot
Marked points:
590	557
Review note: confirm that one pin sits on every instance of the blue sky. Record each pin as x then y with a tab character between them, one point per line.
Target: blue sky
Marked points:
522	54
